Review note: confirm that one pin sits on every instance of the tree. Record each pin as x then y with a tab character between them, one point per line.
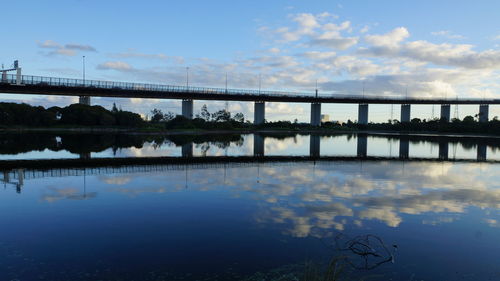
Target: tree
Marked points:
169	116
204	113
221	116
156	115
468	119
239	117
115	109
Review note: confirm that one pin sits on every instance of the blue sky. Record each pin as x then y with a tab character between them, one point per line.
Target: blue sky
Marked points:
433	48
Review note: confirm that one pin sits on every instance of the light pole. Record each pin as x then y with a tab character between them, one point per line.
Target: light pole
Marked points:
187	77
260	81
83	61
226	82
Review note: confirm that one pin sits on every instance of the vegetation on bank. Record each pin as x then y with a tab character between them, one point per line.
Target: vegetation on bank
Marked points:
79	115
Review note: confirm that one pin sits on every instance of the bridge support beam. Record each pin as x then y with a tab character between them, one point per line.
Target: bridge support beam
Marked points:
314	145
363	114
481	152
258	145
404	148
259	113
187	150
187	108
484	110
362	149
445	112
443	150
405	113
84	100
315	114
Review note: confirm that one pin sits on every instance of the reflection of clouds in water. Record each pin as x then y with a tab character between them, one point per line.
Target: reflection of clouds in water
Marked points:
53	194
379	191
492	222
133	192
116	179
274	146
314	200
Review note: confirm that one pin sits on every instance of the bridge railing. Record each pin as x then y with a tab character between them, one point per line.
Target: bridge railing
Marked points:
140	87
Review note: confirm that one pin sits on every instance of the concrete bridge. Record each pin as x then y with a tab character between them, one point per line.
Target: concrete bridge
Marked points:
85	89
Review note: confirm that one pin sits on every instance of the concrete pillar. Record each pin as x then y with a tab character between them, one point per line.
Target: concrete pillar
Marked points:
19	77
187	150
481	152
484	110
314	145
443	150
362	145
404	148
445	112
405	113
363	114
259	113
187	109
315	114
4	76
84	100
258	145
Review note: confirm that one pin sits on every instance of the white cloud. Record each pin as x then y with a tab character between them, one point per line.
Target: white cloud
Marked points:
115	65
447	34
64	50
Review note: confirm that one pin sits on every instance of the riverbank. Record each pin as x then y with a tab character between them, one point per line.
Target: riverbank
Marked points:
268	131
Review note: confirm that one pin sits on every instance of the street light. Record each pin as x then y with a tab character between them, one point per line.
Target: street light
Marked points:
187	77
83	58
260	81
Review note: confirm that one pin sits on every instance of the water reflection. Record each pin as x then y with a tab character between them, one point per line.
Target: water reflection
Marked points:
257	213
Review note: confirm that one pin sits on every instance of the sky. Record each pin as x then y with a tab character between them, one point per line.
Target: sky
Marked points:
440	49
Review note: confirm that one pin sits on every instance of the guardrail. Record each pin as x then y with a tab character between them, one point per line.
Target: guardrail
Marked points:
98	84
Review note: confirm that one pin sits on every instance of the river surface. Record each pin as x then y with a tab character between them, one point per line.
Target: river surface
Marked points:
388	208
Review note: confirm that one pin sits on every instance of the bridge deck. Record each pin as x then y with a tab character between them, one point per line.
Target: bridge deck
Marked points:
94	88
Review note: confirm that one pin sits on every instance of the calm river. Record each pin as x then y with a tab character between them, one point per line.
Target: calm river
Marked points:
265	207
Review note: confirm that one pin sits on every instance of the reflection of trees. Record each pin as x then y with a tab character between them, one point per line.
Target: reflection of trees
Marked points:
12	143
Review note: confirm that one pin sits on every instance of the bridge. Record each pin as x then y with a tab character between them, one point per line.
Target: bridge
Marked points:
85	89
15	172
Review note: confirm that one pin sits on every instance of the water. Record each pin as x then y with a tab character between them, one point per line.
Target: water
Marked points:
227	220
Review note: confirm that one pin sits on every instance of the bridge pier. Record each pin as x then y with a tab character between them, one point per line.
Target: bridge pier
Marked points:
362	149
314	145
363	114
187	150
481	152
404	148
84	100
405	113
483	112
259	113
187	108
19	78
445	113
258	145
443	150
315	114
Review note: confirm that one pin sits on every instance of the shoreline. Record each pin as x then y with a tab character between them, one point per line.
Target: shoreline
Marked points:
135	131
